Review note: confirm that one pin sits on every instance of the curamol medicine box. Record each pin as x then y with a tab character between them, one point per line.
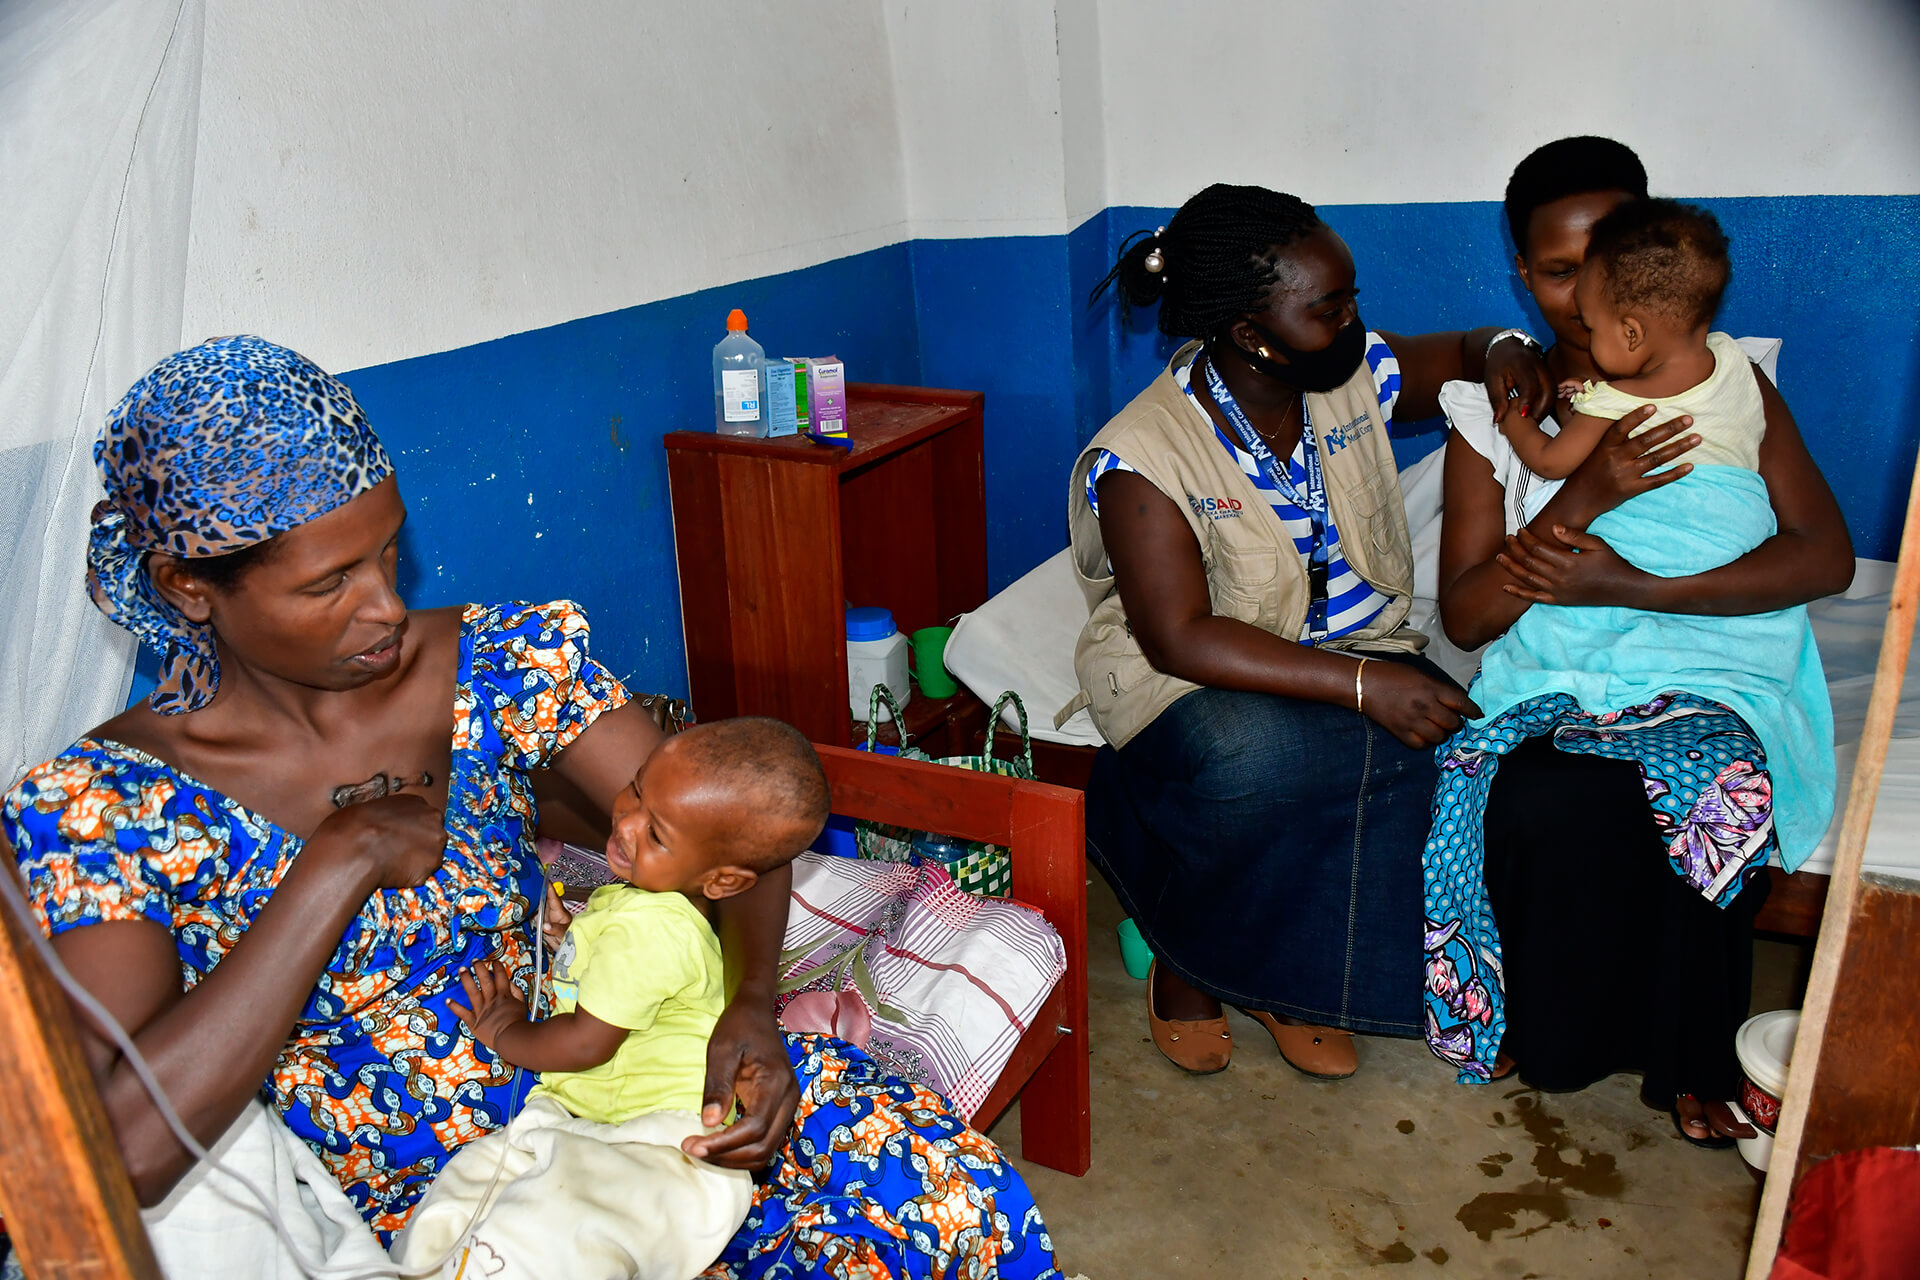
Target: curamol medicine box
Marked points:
828	391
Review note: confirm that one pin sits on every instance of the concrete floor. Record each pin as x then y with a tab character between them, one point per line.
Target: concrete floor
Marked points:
1260	1172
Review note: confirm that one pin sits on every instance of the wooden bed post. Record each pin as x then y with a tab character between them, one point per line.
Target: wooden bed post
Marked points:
1856	997
1050	872
69	1207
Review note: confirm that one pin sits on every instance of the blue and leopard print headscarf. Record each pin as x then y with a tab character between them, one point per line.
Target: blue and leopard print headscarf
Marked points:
217	448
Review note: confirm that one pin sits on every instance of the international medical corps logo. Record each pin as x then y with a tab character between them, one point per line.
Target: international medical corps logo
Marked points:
1347	433
1216	508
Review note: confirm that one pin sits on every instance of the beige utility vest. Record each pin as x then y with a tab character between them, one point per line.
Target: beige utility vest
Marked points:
1254	572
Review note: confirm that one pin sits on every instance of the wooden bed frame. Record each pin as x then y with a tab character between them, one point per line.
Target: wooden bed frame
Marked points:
1045	828
63	1188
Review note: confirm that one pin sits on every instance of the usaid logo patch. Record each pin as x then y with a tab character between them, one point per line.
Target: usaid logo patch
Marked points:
1216	508
1346	433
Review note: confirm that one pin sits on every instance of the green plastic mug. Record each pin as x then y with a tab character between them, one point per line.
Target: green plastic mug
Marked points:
1134	952
929	662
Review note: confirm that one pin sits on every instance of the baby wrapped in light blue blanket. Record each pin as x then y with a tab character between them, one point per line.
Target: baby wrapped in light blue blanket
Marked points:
1763	666
1647	293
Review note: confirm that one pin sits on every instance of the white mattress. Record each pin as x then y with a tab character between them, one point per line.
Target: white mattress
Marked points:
1848	628
1023	638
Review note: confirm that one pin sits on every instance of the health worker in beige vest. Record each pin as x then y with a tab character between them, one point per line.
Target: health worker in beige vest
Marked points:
1239	532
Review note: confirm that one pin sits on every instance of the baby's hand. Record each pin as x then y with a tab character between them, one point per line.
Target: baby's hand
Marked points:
1516	418
495	1004
1571	388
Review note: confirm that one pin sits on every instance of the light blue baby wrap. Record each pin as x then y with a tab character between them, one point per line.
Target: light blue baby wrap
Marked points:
1762	666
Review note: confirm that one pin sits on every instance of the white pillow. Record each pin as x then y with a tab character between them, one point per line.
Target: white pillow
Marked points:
1023	640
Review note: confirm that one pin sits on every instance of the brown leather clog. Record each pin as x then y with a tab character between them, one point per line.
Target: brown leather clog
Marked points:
1202	1047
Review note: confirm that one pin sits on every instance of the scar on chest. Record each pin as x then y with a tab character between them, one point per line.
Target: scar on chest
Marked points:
380	784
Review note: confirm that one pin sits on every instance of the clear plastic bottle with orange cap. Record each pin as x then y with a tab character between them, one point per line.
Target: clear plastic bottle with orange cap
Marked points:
739	381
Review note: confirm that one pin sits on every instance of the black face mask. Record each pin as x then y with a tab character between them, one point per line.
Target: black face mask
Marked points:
1321	370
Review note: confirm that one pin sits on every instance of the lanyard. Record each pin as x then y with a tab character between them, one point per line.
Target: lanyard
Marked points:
1313	502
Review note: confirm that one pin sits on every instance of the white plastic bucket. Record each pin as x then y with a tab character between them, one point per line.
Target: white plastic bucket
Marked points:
876	654
1764	1045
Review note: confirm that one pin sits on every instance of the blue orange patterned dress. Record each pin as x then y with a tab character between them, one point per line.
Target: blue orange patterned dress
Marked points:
383	1081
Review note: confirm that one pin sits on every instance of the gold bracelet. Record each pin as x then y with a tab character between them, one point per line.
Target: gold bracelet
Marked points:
1359	690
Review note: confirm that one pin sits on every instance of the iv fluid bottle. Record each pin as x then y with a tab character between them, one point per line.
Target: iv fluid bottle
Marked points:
739	382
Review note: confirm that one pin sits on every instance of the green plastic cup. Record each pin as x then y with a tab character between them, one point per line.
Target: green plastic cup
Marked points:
1133	951
929	662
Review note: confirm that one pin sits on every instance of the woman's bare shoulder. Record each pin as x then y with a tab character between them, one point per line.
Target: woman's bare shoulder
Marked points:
445	618
139	727
437	629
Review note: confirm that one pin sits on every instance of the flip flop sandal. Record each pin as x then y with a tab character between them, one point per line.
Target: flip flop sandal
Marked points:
1714	1141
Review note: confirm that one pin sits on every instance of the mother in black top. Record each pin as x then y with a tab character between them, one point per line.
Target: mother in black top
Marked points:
1562	903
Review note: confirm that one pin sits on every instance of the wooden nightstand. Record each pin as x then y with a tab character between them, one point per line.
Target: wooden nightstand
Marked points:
775	538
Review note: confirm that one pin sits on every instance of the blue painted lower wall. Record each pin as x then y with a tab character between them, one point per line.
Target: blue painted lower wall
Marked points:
532	465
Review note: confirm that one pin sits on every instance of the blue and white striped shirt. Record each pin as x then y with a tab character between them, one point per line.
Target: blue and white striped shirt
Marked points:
1351	603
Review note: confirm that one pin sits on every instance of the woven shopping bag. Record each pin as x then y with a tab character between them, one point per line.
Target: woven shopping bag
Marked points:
982	869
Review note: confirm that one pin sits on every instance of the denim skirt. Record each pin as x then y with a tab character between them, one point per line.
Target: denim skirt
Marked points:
1269	851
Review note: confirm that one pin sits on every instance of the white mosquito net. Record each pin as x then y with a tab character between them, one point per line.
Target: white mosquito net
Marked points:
99	108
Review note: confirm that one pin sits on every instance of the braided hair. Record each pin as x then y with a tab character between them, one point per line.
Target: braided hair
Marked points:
1212	264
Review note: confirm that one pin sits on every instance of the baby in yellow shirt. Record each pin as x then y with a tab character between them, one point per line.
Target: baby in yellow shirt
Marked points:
593	1180
1653	277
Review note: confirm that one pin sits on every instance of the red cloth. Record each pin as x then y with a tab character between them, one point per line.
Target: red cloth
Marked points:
1853	1218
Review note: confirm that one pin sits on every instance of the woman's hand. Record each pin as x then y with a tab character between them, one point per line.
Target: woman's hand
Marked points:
1620	468
1411	705
493	1004
250	1002
746	1059
397	841
1517	372
1580	569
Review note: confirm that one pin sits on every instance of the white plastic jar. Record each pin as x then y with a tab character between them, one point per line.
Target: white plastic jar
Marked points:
876	654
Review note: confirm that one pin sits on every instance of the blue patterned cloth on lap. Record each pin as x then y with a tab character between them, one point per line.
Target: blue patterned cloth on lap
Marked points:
1706	778
879	1178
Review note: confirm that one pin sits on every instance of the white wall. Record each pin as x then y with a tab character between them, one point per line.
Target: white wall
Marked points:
378	181
1402	100
978	89
1083	112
